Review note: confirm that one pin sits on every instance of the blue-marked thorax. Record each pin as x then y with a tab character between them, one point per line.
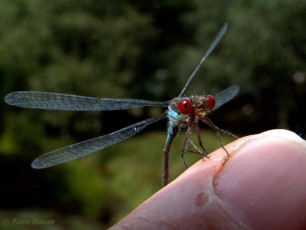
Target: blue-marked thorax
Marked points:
176	119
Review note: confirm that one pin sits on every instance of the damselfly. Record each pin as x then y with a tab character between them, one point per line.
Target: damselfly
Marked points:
182	112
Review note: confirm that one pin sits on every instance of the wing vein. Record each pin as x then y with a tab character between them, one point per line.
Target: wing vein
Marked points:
59	101
74	151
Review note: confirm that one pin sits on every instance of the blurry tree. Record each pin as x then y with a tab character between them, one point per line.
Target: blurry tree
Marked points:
88	48
139	49
85	48
263	51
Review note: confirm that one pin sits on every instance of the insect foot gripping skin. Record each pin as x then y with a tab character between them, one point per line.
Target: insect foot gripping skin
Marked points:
183	112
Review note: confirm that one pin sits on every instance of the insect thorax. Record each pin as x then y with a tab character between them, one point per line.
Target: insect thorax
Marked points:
175	117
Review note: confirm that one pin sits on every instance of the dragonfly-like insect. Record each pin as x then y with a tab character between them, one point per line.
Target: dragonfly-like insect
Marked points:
182	112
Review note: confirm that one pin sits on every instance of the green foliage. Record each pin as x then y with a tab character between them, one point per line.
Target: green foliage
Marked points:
138	49
263	52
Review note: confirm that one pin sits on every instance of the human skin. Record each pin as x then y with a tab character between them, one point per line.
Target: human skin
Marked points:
260	185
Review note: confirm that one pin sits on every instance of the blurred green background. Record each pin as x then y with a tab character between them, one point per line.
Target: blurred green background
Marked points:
134	49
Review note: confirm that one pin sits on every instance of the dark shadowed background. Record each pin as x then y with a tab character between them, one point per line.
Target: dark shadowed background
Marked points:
134	49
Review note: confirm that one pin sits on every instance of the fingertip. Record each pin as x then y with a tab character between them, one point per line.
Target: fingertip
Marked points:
260	185
263	180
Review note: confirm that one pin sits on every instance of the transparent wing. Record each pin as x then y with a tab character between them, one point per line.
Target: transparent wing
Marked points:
210	49
225	96
59	101
81	149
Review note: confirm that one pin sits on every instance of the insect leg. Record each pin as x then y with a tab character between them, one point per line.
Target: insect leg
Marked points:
207	121
200	141
187	141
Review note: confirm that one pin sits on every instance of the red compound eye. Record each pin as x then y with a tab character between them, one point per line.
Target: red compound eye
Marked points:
211	102
185	106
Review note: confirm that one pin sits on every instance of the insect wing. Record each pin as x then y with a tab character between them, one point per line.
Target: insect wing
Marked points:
207	53
225	96
60	101
84	148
